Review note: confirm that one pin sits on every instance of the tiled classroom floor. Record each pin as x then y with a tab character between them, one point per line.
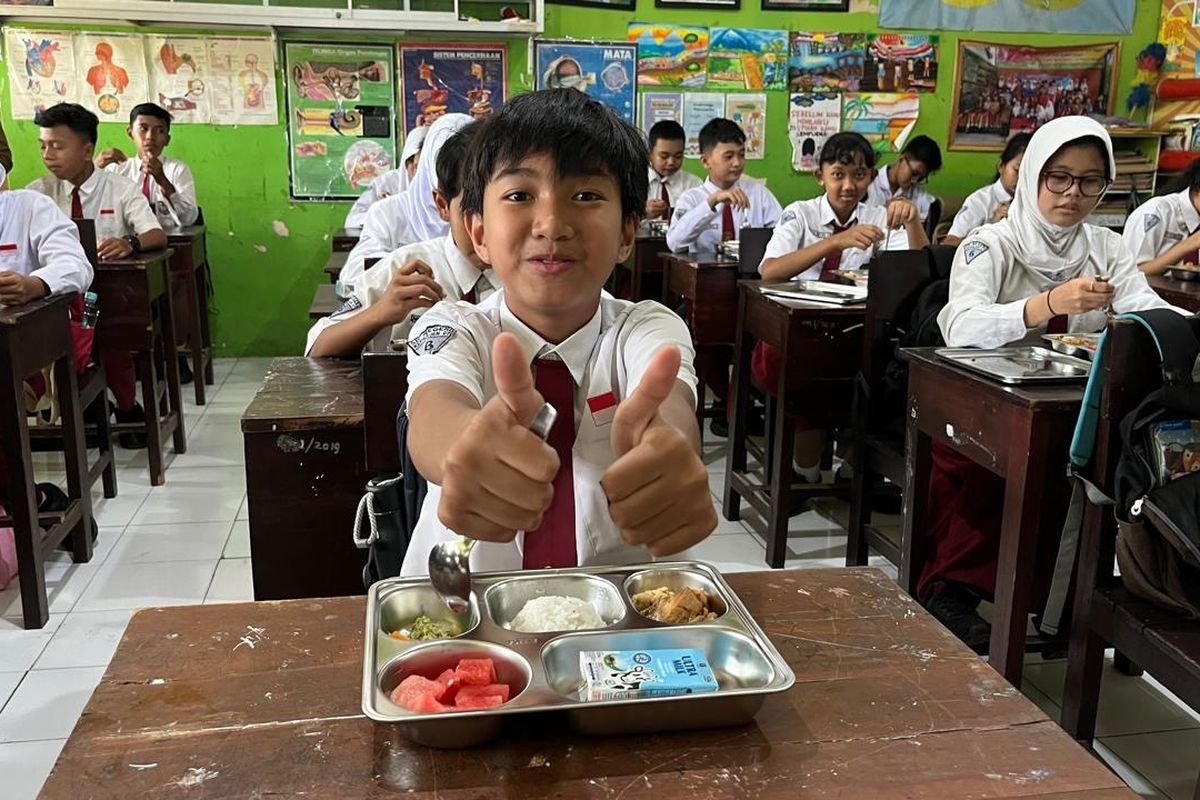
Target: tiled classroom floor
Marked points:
188	542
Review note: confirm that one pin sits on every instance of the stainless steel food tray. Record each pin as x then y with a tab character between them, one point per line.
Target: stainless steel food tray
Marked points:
817	291
543	668
1079	351
1019	365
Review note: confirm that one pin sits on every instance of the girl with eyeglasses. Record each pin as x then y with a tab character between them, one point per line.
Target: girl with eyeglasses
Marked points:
1043	268
1164	231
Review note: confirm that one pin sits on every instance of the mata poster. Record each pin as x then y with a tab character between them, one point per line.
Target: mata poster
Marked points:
670	55
341	113
900	62
243	80
179	76
819	62
112	69
657	106
439	79
884	119
1060	16
607	71
41	70
749	111
698	109
812	118
747	58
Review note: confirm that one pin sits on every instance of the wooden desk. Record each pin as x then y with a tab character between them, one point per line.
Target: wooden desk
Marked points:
1184	294
385	384
305	473
822	346
642	271
335	263
344	239
34	336
1022	434
137	314
887	705
325	301
189	286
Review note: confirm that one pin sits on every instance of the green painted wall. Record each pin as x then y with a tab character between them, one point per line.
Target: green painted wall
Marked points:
264	282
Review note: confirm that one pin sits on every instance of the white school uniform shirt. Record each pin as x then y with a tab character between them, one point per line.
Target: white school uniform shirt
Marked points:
113	202
38	239
682	181
389	183
1159	224
978	208
880	193
451	269
384	230
695	226
453	341
181	209
806	222
988	290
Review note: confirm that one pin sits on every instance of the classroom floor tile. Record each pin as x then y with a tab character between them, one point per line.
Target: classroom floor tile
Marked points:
19	648
26	765
9	681
232	582
47	704
195	494
65	584
85	639
1169	760
167	583
180	541
238	543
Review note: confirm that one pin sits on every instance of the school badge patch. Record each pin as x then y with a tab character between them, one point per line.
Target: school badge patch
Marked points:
431	340
1151	221
788	216
973	250
353	304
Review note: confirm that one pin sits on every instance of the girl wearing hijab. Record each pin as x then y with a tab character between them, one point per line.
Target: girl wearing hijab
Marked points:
394	181
1041	269
408	217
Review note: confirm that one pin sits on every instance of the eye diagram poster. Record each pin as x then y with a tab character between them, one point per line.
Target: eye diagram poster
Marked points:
607	71
442	79
41	70
112	67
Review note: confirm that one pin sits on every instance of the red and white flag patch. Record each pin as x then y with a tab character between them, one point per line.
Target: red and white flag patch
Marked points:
603	408
10	247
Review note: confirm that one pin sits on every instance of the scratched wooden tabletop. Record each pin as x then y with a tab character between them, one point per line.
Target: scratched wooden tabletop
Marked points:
305	393
252	700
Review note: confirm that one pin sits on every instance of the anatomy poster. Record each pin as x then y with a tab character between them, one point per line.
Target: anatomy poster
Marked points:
749	111
812	118
243	80
604	70
41	70
112	69
458	78
179	76
698	109
341	108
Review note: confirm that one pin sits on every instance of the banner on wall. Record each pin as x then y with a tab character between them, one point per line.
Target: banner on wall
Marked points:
747	58
900	62
1076	16
819	62
607	71
670	55
112	74
243	81
41	70
341	102
812	118
657	106
884	119
749	111
442	79
179	76
698	109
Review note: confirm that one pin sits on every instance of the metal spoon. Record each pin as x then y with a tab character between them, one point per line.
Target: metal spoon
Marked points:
450	562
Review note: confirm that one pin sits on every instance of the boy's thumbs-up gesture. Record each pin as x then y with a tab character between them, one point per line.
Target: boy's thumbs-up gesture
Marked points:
658	487
497	476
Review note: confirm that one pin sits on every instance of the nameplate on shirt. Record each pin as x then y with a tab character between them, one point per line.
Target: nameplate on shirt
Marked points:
8	248
107	211
603	408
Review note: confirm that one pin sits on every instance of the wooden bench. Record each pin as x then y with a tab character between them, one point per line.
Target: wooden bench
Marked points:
325	301
189	284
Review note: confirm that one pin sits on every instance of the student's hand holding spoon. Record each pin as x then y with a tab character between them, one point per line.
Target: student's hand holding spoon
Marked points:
1080	295
864	237
734	196
901	212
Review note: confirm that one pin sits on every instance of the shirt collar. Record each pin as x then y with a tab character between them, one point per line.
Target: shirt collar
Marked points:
829	217
88	187
575	351
466	274
1000	194
1188	210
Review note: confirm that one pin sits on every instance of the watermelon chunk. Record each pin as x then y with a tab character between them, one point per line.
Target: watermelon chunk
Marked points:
410	691
478	701
500	690
476	671
450	684
425	704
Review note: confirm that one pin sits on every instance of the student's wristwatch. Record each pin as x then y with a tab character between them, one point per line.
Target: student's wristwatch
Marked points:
134	242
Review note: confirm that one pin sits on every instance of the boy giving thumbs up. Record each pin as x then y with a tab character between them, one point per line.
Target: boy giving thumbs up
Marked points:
619	478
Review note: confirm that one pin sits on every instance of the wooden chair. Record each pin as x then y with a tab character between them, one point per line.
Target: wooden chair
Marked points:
897	279
1105	613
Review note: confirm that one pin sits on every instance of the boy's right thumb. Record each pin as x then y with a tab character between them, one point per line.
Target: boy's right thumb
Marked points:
514	379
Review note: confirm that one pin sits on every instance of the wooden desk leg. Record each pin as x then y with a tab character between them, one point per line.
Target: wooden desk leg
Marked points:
171	354
195	338
21	502
918	464
1085	661
782	447
147	366
205	330
735	459
74	456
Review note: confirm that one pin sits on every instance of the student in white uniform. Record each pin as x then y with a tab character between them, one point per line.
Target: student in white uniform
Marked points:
817	237
391	182
990	204
1042	268
408	217
727	202
166	183
555	185
906	178
668	179
392	295
124	223
1164	231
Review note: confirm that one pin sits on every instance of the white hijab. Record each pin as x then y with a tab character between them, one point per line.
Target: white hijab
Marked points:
416	204
412	146
1049	251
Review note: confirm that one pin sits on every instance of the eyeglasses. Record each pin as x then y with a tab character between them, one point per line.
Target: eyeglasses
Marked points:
1089	185
918	177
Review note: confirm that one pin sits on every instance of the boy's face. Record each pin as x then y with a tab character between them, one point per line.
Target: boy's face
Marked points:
910	172
149	134
451	211
64	152
725	163
667	156
553	240
845	184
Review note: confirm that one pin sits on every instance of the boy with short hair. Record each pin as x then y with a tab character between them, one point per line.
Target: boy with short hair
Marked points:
554	188
391	295
906	178
166	183
716	211
668	180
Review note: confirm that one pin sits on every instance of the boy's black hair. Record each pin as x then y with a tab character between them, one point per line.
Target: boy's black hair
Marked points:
1016	146
925	150
720	131
580	135
667	129
452	159
1188	179
150	110
73	115
846	147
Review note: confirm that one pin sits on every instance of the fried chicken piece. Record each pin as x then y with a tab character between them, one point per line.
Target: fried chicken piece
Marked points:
674	608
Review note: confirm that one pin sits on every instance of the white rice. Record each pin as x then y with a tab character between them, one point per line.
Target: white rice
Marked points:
555	613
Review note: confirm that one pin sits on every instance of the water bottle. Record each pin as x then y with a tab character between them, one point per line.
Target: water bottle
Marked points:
91	310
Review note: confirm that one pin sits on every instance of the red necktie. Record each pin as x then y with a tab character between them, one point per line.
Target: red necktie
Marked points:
666	198
728	232
553	543
146	187
76	204
833	261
